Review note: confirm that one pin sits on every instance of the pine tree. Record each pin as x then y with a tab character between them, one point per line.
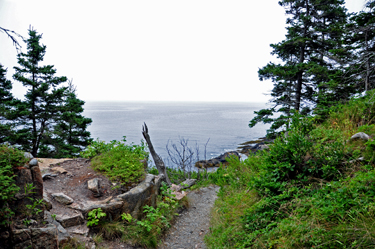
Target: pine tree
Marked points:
41	107
7	99
314	30
361	41
69	134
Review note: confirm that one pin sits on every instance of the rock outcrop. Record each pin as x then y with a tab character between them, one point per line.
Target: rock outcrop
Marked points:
28	229
217	161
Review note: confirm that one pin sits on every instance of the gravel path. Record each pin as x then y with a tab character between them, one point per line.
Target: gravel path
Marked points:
193	224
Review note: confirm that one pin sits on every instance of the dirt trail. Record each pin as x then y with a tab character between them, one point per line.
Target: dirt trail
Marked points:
193	224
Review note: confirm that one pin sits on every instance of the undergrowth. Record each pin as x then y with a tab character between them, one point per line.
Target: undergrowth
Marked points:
9	159
314	187
117	160
148	230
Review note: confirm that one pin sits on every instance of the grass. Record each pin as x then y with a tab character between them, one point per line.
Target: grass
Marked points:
308	191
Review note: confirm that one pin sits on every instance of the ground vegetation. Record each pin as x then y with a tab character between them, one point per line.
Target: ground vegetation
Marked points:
313	188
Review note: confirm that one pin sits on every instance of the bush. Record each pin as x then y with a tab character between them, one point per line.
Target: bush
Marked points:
119	161
307	153
9	159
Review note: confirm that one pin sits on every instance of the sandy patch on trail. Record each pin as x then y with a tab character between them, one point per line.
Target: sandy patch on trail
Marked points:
44	163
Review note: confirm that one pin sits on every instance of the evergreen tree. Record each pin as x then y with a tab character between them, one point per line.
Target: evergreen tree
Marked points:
314	33
69	135
41	107
361	41
7	99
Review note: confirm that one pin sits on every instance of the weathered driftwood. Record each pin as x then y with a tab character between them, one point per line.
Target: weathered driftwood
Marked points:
157	159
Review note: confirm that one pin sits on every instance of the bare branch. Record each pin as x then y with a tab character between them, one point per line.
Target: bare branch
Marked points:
11	34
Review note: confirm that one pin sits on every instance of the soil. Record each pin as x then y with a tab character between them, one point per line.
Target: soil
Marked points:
189	227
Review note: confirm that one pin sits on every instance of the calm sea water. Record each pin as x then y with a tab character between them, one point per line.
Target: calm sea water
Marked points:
225	124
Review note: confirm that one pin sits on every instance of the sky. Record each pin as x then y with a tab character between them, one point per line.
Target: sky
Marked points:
152	50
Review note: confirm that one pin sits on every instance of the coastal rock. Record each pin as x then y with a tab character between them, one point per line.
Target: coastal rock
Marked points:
62	198
217	161
254	146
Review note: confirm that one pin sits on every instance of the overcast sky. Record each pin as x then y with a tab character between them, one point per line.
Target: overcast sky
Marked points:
153	50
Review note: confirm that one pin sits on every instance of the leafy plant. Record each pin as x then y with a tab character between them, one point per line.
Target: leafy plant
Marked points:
94	217
10	158
119	161
127	217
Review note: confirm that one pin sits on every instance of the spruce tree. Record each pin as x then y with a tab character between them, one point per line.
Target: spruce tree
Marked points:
69	135
314	31
41	107
6	102
361	41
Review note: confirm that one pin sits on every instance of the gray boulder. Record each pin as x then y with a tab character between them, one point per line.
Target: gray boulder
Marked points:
360	135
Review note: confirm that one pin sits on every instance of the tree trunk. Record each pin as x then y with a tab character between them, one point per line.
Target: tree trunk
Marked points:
157	159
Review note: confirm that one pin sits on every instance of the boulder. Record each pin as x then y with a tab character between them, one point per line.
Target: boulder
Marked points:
33	162
360	135
28	155
62	234
62	198
143	194
217	161
45	237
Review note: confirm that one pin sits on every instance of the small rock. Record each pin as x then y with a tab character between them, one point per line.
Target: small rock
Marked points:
62	198
48	176
28	155
94	186
33	162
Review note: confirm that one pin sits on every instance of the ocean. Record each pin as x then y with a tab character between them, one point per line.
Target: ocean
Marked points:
224	124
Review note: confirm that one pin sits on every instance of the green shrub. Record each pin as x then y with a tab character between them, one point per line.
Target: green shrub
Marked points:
306	153
119	161
9	159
